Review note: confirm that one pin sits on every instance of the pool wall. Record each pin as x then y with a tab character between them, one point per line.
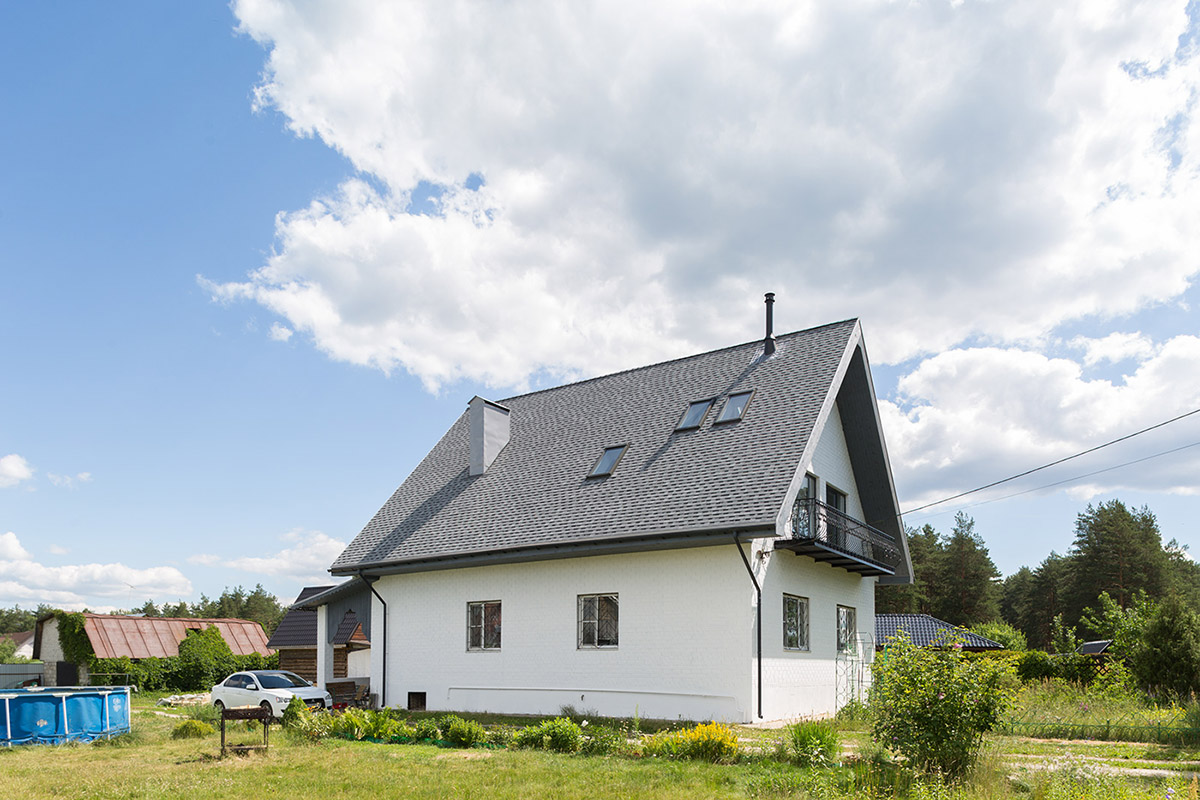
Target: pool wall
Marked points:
56	714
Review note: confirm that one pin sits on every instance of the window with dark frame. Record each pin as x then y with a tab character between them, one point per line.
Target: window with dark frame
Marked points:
735	407
847	629
835	498
694	415
483	625
795	622
608	461
598	621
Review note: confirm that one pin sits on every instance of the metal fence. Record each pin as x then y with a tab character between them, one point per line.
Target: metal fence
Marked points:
1164	726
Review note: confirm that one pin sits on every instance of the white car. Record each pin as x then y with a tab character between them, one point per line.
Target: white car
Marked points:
269	688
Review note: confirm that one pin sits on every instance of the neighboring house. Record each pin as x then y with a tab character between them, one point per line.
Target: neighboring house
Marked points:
296	637
926	631
1096	648
23	641
114	636
699	538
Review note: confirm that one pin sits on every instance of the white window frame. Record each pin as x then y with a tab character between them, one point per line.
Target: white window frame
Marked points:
481	644
847	643
802	626
582	625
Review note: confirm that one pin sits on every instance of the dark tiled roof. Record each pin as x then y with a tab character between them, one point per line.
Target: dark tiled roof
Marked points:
350	630
1094	648
299	627
536	493
927	631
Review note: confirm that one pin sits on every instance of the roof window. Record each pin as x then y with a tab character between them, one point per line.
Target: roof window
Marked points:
694	415
735	407
608	461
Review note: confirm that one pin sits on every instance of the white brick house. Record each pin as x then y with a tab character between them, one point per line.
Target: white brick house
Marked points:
589	545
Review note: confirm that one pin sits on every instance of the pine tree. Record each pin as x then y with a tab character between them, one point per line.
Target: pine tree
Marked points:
965	589
924	548
1115	551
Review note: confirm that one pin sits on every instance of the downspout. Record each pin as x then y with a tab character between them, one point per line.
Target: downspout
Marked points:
758	611
383	677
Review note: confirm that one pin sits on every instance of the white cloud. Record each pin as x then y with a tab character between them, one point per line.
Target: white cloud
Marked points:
26	582
966	417
1114	347
11	549
280	333
58	550
13	470
69	481
944	170
307	559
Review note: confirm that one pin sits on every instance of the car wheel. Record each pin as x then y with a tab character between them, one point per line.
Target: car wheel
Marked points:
266	706
219	706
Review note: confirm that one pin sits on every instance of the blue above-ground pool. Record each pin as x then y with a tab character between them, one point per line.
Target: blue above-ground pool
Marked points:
56	714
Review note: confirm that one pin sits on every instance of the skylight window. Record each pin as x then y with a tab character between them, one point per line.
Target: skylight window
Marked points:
608	461
694	415
735	407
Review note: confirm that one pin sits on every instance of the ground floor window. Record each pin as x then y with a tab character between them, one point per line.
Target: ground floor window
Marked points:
847	629
483	625
795	622
598	620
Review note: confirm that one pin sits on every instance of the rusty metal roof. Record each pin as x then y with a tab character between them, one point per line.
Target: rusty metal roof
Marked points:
159	637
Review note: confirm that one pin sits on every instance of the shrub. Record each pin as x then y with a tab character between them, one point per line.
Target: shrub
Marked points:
933	706
708	742
204	659
462	732
192	729
500	737
1036	666
1167	659
1002	632
296	710
814	743
559	734
426	729
600	740
353	723
853	716
203	712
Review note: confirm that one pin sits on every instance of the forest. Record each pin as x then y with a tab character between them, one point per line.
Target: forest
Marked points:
1117	563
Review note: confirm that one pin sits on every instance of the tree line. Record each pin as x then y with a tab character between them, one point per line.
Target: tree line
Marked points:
1117	557
257	605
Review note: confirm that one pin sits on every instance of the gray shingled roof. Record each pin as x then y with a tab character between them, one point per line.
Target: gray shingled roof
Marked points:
536	493
927	631
298	628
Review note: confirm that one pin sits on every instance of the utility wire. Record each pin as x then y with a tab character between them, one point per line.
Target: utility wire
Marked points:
1081	477
1052	463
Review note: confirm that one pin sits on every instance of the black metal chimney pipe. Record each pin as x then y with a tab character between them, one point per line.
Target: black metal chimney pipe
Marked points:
769	341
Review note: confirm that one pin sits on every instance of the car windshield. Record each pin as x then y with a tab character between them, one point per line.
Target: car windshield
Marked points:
282	680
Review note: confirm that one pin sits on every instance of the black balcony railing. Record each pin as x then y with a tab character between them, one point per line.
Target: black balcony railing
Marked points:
826	534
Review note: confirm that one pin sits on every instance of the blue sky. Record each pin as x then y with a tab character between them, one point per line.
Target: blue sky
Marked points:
255	259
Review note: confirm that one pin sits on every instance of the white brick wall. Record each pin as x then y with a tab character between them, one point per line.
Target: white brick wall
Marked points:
797	683
686	628
831	464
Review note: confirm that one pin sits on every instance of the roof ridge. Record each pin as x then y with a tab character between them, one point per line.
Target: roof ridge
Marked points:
674	360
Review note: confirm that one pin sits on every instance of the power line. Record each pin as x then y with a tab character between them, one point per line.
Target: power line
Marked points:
1081	477
1052	463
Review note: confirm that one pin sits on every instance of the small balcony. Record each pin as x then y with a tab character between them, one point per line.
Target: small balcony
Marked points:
825	534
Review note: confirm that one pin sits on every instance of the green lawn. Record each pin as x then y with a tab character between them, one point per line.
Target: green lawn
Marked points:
149	764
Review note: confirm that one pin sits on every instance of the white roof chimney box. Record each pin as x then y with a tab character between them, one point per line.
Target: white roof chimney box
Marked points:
489	432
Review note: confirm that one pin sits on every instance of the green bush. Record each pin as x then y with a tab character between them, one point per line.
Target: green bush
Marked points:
814	743
462	732
203	712
192	729
708	742
1036	666
559	734
1002	632
933	706
601	740
1166	661
353	723
426	730
204	659
295	712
